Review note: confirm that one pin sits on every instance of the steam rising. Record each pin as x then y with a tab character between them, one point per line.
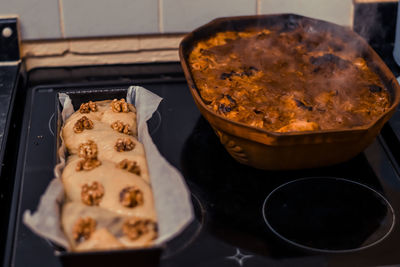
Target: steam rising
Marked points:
296	73
366	21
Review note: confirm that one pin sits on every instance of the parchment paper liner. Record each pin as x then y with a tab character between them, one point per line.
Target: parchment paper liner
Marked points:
171	195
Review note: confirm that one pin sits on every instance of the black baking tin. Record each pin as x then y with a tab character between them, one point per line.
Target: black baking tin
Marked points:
147	257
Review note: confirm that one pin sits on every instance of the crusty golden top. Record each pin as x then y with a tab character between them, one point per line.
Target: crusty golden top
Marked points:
286	80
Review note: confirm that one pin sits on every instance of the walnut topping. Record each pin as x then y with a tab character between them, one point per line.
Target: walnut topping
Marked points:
87	107
134	228
131	197
83	123
130	166
119	126
124	144
119	105
88	150
92	194
83	228
87	164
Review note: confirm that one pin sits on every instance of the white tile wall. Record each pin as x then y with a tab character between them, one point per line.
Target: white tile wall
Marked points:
39	19
186	15
88	18
336	11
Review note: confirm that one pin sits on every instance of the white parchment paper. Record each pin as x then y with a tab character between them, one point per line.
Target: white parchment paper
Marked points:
171	195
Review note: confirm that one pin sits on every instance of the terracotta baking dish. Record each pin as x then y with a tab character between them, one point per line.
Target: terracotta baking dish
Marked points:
295	150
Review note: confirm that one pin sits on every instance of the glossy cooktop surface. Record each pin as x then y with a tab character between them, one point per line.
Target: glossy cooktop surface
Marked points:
345	214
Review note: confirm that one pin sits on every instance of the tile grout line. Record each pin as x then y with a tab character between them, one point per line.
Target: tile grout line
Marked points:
160	16
61	14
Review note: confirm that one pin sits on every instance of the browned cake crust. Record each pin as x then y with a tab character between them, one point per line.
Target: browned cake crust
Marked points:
287	81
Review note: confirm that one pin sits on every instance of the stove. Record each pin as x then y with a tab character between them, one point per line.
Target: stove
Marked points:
346	214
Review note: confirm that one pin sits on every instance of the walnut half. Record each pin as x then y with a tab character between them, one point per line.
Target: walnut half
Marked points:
130	166
82	124
131	197
92	194
87	164
119	105
83	228
88	150
87	107
134	228
119	126
124	144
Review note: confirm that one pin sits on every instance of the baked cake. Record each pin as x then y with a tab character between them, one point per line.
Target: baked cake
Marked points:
287	79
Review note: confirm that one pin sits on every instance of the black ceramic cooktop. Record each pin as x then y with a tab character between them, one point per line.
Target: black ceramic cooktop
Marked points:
339	215
342	215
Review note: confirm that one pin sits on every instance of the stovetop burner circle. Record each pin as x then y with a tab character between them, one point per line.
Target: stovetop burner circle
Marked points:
325	214
191	232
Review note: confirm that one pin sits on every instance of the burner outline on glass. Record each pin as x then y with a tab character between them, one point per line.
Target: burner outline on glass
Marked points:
327	250
50	124
193	236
